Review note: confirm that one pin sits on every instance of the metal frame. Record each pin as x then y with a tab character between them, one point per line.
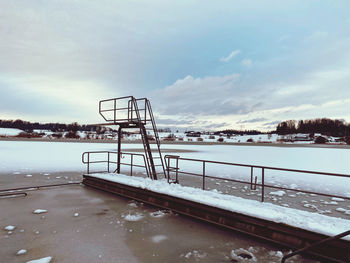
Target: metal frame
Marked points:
86	160
136	118
252	184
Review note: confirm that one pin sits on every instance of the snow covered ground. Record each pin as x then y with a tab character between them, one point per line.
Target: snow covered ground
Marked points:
28	158
9	132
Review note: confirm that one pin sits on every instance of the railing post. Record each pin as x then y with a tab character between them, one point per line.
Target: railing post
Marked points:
177	170
108	162
119	148
115	110
263	184
132	157
251	178
203	183
88	164
168	169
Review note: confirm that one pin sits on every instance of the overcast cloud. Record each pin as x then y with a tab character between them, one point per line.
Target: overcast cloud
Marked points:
203	64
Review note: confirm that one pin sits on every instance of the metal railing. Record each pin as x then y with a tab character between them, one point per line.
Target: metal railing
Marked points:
253	181
323	241
119	110
86	159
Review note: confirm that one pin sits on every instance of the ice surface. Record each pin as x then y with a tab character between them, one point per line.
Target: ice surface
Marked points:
302	219
41	260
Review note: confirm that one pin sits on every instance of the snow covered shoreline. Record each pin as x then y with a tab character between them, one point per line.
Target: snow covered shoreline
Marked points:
293	217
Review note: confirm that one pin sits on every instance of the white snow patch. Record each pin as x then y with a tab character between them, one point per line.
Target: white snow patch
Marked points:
21	252
303	219
158	238
29	175
10	228
158	214
338	199
134	217
39	211
197	255
9	131
293	186
278	193
76	214
243	254
134	205
41	260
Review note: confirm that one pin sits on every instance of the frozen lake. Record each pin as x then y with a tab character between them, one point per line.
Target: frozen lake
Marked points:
143	235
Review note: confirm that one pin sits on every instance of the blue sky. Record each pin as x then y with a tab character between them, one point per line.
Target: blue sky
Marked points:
203	64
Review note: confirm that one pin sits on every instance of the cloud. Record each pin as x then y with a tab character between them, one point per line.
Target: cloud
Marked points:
272	123
229	57
247	62
213	95
253	120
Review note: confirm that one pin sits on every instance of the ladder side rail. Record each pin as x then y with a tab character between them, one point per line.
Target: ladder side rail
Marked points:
156	135
145	141
150	112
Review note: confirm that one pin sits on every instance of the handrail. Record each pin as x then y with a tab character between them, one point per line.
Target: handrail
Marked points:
252	183
109	161
323	241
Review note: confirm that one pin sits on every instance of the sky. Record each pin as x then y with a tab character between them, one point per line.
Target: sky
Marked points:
204	65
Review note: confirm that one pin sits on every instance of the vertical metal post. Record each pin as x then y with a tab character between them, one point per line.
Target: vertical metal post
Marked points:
203	183
115	110
145	111
168	170
263	184
177	170
251	178
132	157
108	162
119	148
88	163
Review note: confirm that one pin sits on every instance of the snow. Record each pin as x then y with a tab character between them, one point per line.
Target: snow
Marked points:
41	260
65	156
76	214
133	217
9	131
39	211
278	193
10	228
21	252
158	238
243	255
338	199
158	214
302	219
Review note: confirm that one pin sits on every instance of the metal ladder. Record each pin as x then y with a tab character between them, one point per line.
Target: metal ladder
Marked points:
137	114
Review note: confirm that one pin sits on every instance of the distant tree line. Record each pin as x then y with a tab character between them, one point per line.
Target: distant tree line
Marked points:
324	126
54	127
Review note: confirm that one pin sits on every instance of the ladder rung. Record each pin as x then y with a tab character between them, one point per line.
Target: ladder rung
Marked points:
158	165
